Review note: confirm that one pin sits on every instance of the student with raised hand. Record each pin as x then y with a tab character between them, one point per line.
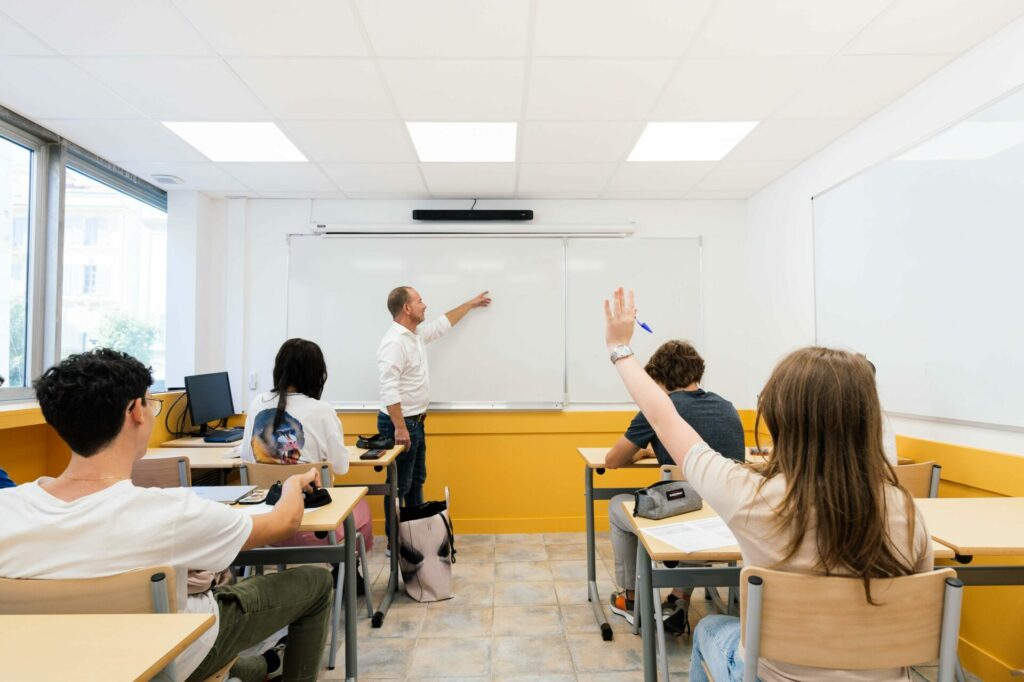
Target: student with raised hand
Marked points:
291	425
91	521
825	502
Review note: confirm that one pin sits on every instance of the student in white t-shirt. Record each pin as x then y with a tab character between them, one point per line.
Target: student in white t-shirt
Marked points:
91	521
814	505
291	425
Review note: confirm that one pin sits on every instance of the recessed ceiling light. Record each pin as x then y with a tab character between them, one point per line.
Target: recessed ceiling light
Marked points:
689	140
465	142
237	142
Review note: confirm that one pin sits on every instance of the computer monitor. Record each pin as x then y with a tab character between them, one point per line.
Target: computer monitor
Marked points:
209	398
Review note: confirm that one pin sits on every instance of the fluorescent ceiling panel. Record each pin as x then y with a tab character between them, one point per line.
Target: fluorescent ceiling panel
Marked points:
689	140
237	142
464	142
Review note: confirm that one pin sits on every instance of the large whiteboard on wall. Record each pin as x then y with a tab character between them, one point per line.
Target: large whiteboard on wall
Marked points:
666	278
508	355
541	341
919	263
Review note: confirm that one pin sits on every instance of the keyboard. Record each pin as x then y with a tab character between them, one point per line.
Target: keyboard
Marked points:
224	435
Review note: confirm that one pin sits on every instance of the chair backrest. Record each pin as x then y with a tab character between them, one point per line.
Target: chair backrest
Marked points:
826	622
266	475
920	480
170	472
144	590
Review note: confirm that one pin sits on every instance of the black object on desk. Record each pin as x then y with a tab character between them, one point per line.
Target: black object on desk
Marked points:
224	435
372	454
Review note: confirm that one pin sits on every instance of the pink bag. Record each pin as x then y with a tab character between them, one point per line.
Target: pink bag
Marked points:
426	550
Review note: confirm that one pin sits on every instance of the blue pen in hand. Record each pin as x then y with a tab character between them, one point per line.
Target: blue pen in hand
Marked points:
645	327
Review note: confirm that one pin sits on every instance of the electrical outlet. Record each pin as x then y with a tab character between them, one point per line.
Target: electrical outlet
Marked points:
253	380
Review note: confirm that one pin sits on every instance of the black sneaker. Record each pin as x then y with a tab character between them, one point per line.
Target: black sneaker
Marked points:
679	622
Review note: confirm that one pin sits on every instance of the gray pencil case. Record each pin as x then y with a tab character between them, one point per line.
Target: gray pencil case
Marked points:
665	499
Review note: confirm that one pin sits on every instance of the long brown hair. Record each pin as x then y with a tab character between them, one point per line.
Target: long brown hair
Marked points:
821	408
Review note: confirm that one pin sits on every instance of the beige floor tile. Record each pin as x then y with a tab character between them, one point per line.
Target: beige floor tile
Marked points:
575	591
523	571
591	654
467	595
530	655
473	541
519	539
526	621
552	677
401	623
579	618
520	552
559	552
524	594
473	554
451	657
456	622
380	659
576	570
565	539
616	677
473	572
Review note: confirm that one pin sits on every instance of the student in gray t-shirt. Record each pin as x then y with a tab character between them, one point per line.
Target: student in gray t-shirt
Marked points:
678	368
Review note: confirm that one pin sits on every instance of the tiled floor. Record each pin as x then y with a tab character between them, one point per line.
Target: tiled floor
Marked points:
520	612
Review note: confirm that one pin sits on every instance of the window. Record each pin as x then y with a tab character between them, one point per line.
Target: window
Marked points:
114	273
15	195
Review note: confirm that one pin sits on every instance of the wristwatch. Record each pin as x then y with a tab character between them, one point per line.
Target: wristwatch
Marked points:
620	352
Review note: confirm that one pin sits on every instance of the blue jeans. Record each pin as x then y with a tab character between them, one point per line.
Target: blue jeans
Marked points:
411	465
716	640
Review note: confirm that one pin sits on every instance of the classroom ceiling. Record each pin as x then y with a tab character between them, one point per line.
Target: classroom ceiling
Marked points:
581	78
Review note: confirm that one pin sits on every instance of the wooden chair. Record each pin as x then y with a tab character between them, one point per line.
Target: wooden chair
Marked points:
825	622
162	473
144	590
920	480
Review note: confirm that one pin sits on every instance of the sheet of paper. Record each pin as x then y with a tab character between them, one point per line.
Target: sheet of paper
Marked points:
694	536
255	509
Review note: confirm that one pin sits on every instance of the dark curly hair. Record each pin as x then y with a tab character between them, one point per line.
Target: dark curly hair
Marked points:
86	396
675	365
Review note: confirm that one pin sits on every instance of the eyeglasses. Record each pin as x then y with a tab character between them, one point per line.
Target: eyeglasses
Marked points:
155	405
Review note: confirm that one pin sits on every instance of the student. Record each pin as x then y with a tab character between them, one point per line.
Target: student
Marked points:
291	425
677	368
825	502
91	521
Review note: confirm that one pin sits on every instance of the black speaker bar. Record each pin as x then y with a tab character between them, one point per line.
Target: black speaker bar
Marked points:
481	215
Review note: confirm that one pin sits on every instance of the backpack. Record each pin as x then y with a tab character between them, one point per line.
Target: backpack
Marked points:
426	550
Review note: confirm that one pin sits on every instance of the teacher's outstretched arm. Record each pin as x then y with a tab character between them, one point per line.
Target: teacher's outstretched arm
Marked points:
675	434
478	301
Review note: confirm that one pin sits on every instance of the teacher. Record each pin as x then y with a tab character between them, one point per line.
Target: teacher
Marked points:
405	384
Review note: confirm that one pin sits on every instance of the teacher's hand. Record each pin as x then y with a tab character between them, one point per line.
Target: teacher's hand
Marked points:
480	300
620	318
402	437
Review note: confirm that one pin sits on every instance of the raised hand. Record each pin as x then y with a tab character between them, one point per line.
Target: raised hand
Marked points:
620	318
480	300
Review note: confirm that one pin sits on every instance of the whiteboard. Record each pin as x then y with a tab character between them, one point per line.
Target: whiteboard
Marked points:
918	264
666	278
508	355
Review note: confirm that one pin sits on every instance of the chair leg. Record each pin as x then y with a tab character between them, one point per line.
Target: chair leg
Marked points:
368	593
660	623
636	600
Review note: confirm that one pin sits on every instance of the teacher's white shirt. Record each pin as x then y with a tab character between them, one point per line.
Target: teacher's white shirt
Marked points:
402	365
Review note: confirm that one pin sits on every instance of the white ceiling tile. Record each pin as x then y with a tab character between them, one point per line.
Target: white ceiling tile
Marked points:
461	90
742	175
578	141
310	28
783	27
389	195
312	88
198	176
858	86
352	141
612	28
15	40
386	178
178	89
935	26
122	141
279	177
302	195
734	88
50	87
108	27
446	28
470	180
642	195
605	89
577	178
789	139
658	176
719	195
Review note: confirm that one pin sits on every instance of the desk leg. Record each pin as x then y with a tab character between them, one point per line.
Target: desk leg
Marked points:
389	595
592	594
332	657
645	593
351	664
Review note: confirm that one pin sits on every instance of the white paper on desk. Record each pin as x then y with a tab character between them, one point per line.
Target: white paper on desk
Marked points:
256	509
694	536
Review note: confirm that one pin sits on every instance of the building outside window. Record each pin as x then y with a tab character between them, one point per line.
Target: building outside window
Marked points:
15	194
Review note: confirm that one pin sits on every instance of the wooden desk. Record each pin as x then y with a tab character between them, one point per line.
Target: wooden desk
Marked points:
982	526
326	518
95	647
198	458
196	442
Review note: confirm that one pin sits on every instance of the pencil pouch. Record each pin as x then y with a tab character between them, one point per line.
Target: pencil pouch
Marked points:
665	499
319	497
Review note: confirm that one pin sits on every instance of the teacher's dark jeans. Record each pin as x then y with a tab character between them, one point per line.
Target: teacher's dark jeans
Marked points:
411	464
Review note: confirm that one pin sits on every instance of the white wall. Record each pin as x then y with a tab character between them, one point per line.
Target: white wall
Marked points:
721	224
780	273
